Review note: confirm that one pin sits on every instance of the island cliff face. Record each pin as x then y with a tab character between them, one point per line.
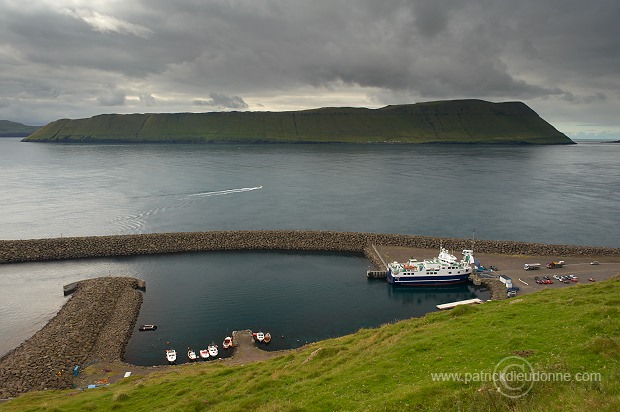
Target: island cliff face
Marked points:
454	121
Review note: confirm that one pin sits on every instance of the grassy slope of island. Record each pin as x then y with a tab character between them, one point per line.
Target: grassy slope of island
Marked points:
454	121
13	129
561	333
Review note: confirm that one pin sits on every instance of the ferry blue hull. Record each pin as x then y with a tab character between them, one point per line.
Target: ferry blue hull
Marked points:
427	280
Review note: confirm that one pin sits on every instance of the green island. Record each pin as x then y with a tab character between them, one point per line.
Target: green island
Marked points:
451	121
13	129
570	338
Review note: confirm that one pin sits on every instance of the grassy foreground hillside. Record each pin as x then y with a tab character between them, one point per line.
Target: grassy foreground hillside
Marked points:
567	341
455	121
13	129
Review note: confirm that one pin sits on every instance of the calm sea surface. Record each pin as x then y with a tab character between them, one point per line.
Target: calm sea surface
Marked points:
550	194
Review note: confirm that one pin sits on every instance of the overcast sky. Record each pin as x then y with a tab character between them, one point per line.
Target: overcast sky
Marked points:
78	58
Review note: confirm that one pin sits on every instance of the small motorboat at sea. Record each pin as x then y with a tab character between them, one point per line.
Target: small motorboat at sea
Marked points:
259	336
212	350
204	353
191	354
227	342
147	327
267	337
171	355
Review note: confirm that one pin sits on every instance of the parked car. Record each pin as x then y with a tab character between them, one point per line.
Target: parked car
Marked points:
594	262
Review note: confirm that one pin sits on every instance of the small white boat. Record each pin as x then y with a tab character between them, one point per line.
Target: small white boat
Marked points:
212	350
260	336
171	355
227	342
204	353
191	355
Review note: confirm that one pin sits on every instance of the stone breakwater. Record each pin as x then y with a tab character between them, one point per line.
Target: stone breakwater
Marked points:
357	242
94	324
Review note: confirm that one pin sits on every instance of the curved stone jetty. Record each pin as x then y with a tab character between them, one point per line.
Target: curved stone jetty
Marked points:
357	242
94	324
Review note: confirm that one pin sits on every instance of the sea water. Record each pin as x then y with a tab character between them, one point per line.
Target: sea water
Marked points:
548	194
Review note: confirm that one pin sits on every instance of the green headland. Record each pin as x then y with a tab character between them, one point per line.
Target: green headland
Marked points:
566	340
452	121
13	129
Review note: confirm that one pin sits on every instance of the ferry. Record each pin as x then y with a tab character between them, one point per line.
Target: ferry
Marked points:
445	269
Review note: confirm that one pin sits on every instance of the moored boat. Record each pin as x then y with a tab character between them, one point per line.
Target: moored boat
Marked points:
171	355
191	354
259	336
227	342
445	269
147	327
267	337
204	353
212	350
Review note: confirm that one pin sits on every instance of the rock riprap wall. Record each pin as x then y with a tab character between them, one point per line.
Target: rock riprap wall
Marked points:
99	246
94	324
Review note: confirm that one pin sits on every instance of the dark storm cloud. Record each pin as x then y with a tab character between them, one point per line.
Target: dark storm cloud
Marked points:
164	54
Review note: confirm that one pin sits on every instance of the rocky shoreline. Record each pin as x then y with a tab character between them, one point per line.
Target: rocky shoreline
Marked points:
357	242
95	324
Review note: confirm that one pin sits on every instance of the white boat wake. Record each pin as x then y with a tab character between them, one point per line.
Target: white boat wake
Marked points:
134	223
225	192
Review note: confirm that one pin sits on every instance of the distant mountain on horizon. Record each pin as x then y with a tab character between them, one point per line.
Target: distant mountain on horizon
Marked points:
450	121
14	129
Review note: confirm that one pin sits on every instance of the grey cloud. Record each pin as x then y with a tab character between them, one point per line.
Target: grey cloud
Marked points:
147	99
55	53
223	101
105	23
112	98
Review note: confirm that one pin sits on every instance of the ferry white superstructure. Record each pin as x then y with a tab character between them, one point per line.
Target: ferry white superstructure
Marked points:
445	269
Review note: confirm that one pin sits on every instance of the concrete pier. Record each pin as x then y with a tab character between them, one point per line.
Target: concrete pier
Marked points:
246	350
376	274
